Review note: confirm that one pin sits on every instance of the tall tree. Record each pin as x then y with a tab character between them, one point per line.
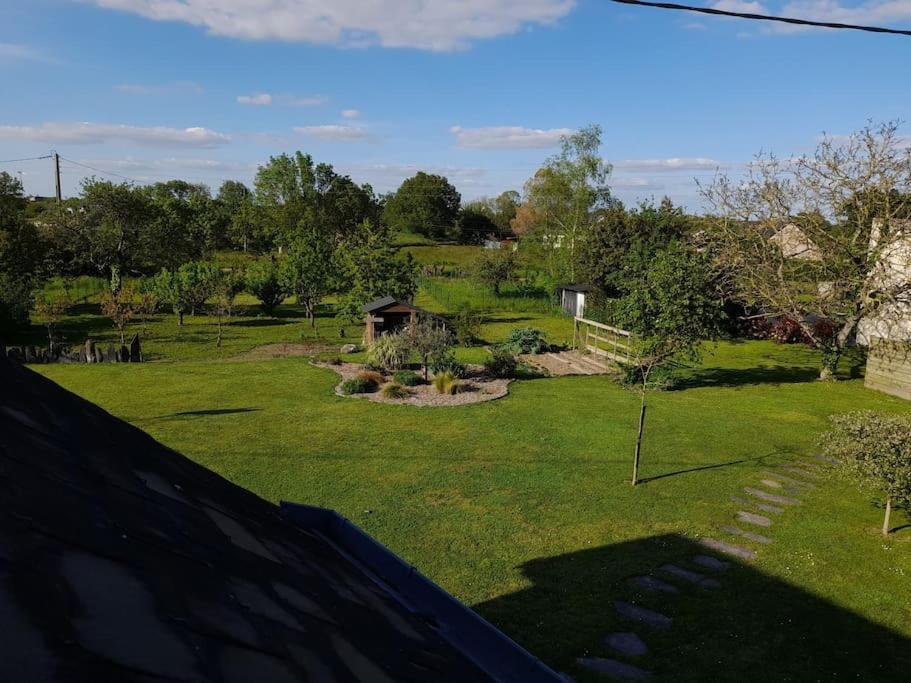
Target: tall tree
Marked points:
425	204
308	269
21	251
824	236
561	201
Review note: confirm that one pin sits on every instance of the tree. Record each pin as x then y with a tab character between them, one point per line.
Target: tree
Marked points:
561	201
845	211
369	267
265	283
495	267
875	449
21	252
308	270
672	309
429	338
225	288
51	312
120	308
498	211
474	225
186	288
426	204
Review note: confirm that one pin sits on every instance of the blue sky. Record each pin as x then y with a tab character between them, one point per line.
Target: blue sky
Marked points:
478	90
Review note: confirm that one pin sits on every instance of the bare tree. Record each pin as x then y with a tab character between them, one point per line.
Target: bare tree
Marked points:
823	239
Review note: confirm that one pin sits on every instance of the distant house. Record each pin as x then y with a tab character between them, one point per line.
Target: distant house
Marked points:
572	299
122	560
494	244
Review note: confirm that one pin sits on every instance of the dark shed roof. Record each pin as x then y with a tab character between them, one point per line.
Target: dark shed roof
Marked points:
386	302
121	560
575	288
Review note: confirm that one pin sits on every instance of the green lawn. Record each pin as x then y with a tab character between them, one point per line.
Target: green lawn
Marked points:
521	507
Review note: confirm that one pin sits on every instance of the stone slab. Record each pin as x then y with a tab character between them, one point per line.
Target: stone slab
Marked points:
653	584
751	518
771	483
627	644
728	548
802	472
789	480
643	615
765	507
692	577
771	497
611	667
712	563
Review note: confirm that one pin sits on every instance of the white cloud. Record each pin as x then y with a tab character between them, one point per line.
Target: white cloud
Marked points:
177	87
350	113
264	99
870	12
670	164
259	100
172	166
338	133
633	183
99	133
743	6
17	51
428	25
508	137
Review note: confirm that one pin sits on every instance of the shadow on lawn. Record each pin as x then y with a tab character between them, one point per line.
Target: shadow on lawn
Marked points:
754	628
201	413
757	459
735	377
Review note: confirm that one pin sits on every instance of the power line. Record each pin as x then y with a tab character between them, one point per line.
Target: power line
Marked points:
766	17
100	170
13	161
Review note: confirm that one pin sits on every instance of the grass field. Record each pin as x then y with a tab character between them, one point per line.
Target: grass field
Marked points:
521	507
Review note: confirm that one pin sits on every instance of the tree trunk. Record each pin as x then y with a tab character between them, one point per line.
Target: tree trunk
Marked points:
122	337
639	441
888	515
830	361
180	318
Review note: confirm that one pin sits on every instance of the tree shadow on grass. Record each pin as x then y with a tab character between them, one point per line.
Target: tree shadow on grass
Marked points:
190	414
700	468
261	322
755	627
736	377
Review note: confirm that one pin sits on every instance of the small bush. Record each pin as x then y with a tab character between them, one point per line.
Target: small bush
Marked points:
501	364
456	386
370	376
466	323
358	386
526	340
390	351
446	362
443	381
395	391
407	378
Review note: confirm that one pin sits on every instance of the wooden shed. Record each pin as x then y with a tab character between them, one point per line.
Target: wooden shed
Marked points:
572	299
388	315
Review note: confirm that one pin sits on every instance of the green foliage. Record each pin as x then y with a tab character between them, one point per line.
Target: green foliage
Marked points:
308	271
474	226
466	323
501	364
187	288
874	450
358	386
429	339
390	351
20	253
446	383
263	280
369	267
526	340
407	378
426	204
495	267
445	361
393	390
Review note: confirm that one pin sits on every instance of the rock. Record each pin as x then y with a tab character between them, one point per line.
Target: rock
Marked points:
769	508
728	548
89	351
751	518
110	354
789	480
30	356
348	348
615	669
653	584
628	644
135	350
802	473
689	576
99	355
124	354
643	615
771	483
14	353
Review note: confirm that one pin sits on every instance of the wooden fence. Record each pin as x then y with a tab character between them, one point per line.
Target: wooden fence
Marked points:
610	343
889	368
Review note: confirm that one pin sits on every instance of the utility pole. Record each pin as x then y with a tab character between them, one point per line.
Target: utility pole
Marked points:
57	177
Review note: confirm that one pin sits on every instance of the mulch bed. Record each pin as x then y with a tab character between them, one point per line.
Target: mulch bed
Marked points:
479	388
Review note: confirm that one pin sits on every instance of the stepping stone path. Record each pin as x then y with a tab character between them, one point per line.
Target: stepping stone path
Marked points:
653	584
737	531
728	548
627	644
769	508
692	577
643	615
751	518
771	483
771	497
713	563
802	473
612	667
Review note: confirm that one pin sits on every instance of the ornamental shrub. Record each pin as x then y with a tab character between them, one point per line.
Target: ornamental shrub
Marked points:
526	340
501	364
370	376
407	378
391	351
358	386
394	390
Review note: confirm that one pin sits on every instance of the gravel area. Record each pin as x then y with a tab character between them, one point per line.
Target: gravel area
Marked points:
480	388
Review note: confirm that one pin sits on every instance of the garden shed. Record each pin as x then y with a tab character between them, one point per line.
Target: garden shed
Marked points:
572	299
388	315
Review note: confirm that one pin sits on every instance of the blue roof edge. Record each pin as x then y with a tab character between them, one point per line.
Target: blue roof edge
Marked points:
489	648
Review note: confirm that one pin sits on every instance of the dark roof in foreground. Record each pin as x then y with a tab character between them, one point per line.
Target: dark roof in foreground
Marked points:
385	302
121	560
